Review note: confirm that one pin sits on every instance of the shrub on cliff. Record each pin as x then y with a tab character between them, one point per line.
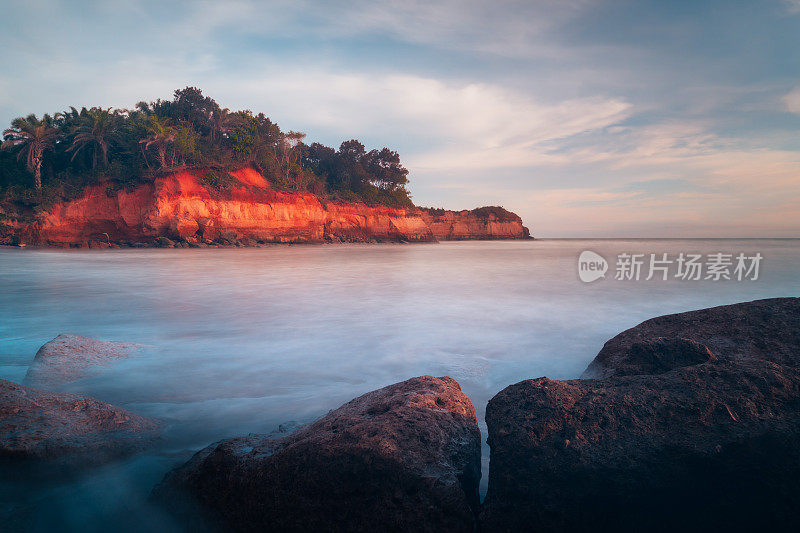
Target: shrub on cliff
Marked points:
500	214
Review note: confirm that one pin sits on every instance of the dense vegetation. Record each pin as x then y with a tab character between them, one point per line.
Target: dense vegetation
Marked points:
58	155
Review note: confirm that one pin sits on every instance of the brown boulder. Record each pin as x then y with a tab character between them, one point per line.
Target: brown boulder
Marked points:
675	440
67	428
404	457
762	329
68	358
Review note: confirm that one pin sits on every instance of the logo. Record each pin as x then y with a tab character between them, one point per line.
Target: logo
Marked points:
591	266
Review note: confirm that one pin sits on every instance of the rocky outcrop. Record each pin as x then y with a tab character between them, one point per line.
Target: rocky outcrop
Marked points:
484	223
696	427
68	358
67	429
182	208
402	458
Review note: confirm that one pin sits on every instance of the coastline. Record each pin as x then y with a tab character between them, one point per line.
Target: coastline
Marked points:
180	210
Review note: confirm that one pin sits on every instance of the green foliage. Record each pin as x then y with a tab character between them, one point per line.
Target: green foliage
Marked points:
70	150
218	180
501	214
243	136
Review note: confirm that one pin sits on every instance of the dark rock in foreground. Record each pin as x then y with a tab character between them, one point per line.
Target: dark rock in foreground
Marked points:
768	330
67	428
402	458
71	357
699	430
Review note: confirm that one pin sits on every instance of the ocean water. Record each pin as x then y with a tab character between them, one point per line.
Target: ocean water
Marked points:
243	340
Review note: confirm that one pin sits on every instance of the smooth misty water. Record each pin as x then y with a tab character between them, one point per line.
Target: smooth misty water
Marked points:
242	340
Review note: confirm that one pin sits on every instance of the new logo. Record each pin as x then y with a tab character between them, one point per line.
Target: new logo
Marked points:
591	266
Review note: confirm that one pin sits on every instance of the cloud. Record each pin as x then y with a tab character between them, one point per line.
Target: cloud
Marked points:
461	124
792	98
793	6
564	110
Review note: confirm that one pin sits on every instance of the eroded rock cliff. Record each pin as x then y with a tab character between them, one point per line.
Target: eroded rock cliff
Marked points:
182	208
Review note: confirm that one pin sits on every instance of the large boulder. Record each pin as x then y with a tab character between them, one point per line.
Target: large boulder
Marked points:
70	429
69	358
764	329
404	457
698	428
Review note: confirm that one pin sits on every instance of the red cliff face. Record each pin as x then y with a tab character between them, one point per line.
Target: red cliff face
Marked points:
482	223
180	207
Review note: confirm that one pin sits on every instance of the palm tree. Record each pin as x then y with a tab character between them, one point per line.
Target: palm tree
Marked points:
34	137
161	136
97	128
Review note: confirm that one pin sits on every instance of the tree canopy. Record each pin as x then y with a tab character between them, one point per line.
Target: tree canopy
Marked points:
74	148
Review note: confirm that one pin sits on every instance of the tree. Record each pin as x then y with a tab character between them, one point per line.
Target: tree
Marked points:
385	169
320	159
97	128
191	130
352	151
289	154
190	106
264	154
161	136
34	138
350	173
243	136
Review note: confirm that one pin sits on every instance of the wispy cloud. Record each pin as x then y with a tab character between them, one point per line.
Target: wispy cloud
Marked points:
792	100
792	5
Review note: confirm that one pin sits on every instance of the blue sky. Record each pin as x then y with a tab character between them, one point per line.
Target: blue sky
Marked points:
588	118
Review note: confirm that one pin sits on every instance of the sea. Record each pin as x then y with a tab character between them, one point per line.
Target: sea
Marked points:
246	340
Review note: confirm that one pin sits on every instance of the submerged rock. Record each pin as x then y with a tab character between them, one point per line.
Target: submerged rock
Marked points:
67	428
68	358
676	439
402	458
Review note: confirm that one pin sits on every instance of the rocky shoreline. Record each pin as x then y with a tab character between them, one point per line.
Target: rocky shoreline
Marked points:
181	210
684	422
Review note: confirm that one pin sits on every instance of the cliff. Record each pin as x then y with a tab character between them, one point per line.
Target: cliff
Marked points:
180	207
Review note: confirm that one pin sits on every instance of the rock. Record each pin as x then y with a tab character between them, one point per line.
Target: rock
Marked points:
208	230
403	458
164	242
659	355
763	329
68	429
69	358
676	439
181	227
228	237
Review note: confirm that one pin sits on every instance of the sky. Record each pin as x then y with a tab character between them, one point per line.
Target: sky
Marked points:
587	118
